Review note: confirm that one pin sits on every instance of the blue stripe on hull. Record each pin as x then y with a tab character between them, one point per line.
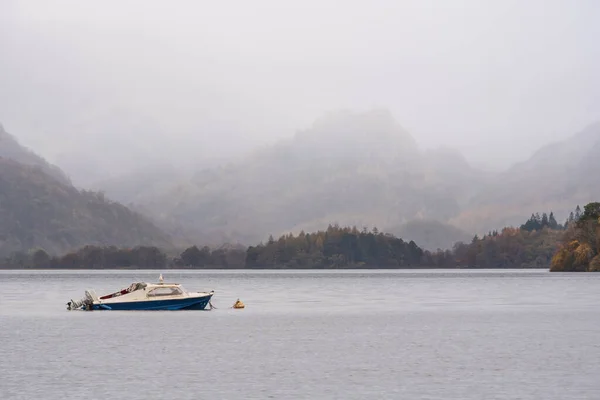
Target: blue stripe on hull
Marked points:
196	303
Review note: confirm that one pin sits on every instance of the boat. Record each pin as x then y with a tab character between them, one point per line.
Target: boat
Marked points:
144	296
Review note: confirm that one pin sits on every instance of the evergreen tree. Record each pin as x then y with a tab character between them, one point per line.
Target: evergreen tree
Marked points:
591	212
552	221
544	221
532	224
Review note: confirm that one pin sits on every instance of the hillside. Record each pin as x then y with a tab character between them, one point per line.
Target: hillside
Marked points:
555	177
12	150
363	170
358	169
38	210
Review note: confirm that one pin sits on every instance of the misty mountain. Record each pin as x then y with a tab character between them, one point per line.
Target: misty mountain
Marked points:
349	168
40	208
364	169
361	169
11	149
556	177
37	210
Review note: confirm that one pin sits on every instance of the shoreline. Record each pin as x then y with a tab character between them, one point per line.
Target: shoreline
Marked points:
166	270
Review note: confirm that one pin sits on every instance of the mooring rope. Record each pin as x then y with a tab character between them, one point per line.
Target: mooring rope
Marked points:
215	308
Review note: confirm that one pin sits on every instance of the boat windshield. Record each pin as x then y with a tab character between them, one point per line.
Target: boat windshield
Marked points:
164	291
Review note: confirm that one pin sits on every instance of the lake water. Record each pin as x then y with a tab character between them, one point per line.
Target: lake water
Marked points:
320	335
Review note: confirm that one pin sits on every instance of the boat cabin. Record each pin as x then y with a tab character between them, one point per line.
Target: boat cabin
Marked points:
151	289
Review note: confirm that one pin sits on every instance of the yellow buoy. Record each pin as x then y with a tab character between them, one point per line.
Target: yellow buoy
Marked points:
238	304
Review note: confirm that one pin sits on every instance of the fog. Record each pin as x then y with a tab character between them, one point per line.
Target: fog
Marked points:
189	81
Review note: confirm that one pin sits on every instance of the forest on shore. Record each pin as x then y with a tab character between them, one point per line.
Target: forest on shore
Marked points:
538	243
579	249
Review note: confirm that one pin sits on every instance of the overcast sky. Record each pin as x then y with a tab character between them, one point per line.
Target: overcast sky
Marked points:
495	79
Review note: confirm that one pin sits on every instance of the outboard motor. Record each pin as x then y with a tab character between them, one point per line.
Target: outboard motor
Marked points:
85	303
74	305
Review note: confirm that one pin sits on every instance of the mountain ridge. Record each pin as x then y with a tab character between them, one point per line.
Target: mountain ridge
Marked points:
358	169
555	177
40	208
332	172
38	211
10	148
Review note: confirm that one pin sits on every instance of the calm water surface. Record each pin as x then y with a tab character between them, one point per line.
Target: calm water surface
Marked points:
344	335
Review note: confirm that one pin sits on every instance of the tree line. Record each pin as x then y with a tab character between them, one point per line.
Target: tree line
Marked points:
336	247
333	248
532	245
111	257
537	222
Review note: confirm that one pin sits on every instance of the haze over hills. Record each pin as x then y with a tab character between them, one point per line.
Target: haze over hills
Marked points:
39	208
555	177
214	78
360	169
193	125
349	168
